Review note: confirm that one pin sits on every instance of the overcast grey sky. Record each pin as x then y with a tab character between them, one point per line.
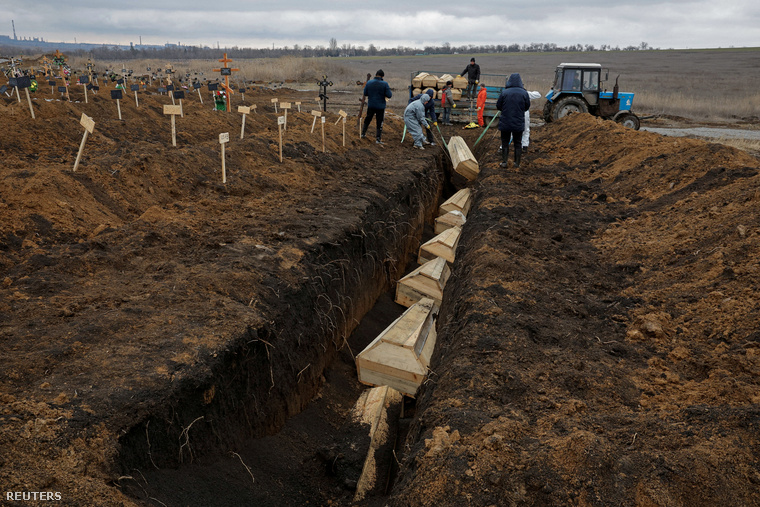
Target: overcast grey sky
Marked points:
389	23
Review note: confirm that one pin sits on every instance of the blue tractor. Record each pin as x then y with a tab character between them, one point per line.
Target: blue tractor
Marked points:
577	89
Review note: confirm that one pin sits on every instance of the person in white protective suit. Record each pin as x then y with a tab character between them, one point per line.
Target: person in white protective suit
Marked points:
414	118
526	132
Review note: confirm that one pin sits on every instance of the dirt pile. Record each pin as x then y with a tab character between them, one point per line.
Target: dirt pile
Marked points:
599	339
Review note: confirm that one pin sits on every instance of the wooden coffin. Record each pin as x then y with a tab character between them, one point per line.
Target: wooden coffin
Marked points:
448	220
460	82
443	245
417	80
430	81
442	80
416	92
400	356
461	201
456	94
427	281
462	159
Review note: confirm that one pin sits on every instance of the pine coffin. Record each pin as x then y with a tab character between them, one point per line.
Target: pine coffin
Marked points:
400	356
461	201
448	220
427	281
443	245
462	159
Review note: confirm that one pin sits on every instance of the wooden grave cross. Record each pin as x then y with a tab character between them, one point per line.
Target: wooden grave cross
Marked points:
224	139
173	111
285	106
280	123
316	113
89	126
226	72
245	110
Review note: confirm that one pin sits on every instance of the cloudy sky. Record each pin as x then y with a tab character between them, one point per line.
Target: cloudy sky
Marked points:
388	23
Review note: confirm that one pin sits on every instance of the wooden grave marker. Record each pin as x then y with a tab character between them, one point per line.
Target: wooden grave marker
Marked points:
298	105
25	82
135	88
197	87
461	201
224	139
173	111
84	81
226	72
316	113
342	116
323	133
285	106
427	281
443	245
179	95
274	103
280	123
89	127
117	95
399	357
245	110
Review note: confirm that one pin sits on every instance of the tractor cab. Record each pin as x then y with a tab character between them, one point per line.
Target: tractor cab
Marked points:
577	88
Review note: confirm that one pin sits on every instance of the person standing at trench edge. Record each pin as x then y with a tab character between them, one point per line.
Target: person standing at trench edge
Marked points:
513	102
377	92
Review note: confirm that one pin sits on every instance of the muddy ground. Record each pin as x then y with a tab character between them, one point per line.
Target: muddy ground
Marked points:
170	339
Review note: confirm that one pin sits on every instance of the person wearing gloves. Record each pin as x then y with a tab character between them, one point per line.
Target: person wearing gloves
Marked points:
513	103
376	91
429	112
481	103
414	118
472	72
526	133
447	102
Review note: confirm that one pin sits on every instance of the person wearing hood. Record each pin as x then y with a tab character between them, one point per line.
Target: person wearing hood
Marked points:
377	92
429	112
414	118
513	103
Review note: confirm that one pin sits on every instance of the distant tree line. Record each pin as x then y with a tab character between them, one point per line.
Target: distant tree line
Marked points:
332	49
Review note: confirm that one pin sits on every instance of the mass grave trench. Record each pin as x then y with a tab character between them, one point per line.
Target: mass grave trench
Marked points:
271	373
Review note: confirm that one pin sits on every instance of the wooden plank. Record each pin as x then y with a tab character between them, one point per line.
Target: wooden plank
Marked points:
462	159
461	201
449	220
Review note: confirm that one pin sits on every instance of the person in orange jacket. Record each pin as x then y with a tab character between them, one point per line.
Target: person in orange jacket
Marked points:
481	103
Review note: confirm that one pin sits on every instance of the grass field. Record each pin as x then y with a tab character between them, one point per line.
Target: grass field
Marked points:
714	84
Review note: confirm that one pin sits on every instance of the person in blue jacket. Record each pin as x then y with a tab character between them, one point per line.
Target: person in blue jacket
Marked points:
429	113
513	102
377	91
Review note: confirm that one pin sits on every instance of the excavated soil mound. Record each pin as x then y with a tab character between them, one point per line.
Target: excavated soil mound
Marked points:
599	339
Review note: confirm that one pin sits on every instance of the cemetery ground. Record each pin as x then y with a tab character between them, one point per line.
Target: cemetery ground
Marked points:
169	339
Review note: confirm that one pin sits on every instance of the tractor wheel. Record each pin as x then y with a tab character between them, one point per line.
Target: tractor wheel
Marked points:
568	105
629	120
548	111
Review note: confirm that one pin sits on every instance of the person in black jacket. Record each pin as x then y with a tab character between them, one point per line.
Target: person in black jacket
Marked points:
377	92
472	72
513	102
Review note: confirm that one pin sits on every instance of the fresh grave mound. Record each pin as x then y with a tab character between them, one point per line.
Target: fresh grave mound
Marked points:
149	313
598	341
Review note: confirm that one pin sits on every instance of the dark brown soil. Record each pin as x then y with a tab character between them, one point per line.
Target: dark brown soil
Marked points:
163	333
599	339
